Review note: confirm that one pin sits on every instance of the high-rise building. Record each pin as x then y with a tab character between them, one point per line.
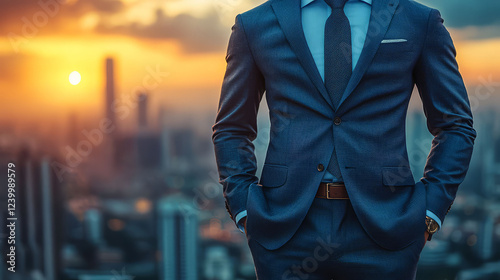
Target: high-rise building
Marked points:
218	264
166	154
484	156
38	202
148	150
177	240
93	227
484	248
142	114
32	229
49	254
111	150
110	90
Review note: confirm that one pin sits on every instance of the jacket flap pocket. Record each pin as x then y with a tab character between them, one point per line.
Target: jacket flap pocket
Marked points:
397	176
273	175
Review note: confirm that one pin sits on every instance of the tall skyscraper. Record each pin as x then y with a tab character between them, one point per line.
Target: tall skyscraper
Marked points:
110	89
49	266
177	240
142	114
32	229
111	151
166	154
484	148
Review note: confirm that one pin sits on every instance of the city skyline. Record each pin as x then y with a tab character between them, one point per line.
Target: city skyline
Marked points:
183	40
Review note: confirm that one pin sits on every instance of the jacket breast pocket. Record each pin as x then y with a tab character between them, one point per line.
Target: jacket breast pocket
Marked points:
394	48
397	176
273	176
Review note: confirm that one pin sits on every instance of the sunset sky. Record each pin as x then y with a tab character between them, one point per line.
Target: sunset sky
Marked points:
40	45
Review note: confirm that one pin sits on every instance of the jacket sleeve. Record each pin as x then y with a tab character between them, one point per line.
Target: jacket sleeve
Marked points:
449	118
236	123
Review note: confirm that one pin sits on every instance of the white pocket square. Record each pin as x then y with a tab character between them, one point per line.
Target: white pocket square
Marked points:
388	41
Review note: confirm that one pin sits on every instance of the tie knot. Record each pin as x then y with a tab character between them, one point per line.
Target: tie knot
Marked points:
336	4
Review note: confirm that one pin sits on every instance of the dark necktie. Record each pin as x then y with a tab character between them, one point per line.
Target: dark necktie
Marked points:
338	61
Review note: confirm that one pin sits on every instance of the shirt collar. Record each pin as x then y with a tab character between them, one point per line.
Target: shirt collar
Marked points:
304	3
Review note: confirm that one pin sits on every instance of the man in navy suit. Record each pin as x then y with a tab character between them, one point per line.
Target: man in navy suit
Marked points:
336	197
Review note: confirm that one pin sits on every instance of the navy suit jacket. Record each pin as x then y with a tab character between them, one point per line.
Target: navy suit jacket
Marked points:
406	44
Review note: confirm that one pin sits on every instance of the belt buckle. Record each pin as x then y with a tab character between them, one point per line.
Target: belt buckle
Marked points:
328	190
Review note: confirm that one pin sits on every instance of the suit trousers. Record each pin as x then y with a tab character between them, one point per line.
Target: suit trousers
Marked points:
331	244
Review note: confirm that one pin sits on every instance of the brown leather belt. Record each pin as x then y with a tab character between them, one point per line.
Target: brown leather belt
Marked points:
332	191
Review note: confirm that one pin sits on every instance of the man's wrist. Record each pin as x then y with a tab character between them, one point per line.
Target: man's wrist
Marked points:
433	216
432	227
239	219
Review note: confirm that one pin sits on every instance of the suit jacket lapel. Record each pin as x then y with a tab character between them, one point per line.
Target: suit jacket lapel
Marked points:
289	18
381	16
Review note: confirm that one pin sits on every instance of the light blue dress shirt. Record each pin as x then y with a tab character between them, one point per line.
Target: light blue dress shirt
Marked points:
314	14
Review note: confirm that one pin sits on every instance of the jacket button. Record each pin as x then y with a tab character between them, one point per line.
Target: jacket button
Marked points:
337	120
321	167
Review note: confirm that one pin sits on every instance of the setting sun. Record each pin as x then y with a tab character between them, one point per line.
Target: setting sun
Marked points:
75	78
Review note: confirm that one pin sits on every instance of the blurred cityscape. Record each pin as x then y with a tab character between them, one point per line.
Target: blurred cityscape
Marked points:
113	204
